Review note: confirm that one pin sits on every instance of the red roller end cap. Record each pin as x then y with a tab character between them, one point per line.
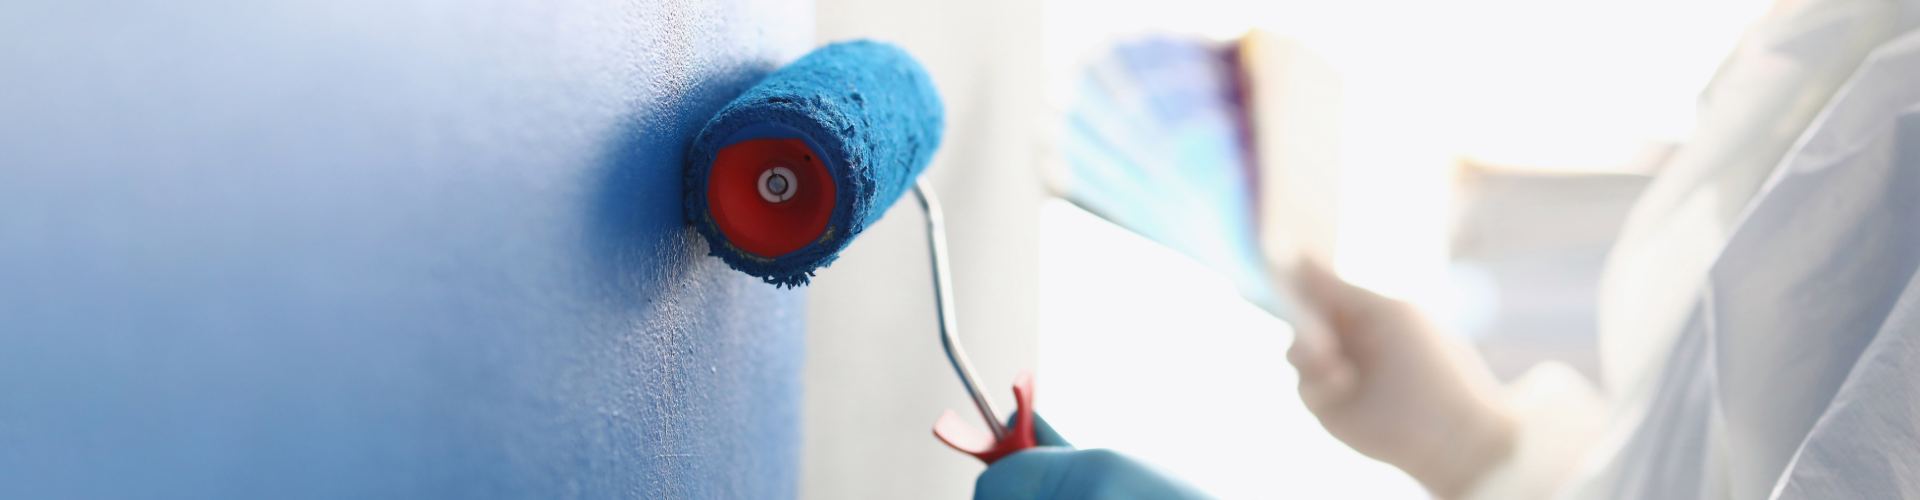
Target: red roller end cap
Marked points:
770	197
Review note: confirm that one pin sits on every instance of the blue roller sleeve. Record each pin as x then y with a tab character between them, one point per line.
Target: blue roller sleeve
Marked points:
867	108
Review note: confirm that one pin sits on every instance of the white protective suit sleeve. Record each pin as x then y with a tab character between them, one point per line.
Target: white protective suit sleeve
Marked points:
1837	204
1867	445
1765	94
1782	73
1862	160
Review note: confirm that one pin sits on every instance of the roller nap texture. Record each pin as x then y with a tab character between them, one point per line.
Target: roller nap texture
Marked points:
786	175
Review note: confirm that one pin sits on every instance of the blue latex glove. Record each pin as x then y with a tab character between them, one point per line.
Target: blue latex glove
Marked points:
1054	470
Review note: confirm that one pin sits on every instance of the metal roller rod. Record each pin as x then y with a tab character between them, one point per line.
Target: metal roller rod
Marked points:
943	299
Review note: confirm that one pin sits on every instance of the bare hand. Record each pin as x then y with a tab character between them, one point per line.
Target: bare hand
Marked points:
1383	379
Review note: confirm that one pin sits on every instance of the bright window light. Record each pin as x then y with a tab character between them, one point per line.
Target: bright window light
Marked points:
1149	353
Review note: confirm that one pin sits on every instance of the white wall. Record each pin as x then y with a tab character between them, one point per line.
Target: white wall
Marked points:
875	375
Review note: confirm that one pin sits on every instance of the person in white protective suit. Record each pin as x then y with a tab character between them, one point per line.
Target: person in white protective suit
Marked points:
1759	318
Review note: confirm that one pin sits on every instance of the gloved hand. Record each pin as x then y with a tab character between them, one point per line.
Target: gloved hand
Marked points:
1386	381
1054	470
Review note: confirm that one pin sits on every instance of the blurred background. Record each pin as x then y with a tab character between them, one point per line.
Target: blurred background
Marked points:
1473	157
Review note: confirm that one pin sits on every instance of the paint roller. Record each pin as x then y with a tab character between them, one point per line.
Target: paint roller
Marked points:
788	173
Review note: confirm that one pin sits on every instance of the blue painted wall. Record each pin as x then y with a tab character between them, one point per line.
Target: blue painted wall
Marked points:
380	249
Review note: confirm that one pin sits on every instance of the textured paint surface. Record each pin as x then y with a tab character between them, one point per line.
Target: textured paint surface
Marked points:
393	249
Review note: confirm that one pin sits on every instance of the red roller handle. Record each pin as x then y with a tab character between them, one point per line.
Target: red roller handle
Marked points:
984	446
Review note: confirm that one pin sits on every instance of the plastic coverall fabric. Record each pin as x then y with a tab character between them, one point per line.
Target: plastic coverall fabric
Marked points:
1759	339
